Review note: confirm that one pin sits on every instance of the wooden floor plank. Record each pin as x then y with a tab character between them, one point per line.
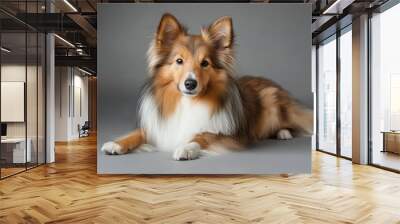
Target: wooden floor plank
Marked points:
70	191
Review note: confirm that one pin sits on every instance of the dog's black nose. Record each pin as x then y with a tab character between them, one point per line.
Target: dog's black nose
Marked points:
190	84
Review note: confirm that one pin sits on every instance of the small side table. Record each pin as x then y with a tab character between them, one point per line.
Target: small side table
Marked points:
391	141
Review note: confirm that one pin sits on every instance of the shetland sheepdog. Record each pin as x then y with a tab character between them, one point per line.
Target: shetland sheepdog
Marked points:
193	103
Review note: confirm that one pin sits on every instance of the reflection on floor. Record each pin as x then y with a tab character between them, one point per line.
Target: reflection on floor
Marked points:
387	159
70	191
10	171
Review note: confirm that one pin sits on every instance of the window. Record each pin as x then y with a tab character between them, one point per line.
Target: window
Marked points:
385	89
346	92
327	95
334	106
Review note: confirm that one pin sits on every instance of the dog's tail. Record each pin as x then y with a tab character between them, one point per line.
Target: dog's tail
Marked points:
302	119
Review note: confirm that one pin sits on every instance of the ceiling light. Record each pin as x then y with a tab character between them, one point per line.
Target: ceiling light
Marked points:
65	41
70	5
84	71
5	50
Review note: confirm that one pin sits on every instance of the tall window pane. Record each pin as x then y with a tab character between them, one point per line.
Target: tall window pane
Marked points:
327	96
346	93
385	87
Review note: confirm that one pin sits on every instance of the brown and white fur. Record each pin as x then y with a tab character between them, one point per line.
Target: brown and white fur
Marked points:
192	101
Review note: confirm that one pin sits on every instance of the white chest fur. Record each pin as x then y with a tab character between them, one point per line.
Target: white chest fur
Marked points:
190	118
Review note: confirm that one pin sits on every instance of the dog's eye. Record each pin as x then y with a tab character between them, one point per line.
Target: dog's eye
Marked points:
179	61
204	63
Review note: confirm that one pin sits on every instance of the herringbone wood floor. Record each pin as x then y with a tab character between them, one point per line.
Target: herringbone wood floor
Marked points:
70	191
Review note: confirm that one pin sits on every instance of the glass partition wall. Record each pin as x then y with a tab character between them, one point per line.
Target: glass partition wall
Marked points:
22	98
334	88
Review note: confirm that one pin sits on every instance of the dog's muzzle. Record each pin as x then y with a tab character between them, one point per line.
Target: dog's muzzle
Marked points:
190	84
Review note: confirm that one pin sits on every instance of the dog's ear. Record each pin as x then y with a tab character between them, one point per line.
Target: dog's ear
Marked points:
221	32
168	30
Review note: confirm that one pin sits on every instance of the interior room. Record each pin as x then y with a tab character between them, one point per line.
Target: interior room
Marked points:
22	103
56	67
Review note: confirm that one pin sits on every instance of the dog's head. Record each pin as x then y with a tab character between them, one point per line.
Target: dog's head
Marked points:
192	62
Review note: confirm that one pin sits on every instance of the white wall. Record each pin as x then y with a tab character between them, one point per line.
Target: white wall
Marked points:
70	83
80	110
61	103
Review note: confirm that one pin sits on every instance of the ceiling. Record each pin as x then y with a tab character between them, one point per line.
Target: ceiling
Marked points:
76	22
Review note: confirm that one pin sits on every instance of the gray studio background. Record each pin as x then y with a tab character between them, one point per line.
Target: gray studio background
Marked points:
273	40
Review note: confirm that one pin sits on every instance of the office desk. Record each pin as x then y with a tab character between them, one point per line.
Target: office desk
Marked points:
13	150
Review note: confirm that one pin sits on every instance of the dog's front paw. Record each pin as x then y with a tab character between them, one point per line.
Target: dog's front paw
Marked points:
284	134
187	152
111	148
